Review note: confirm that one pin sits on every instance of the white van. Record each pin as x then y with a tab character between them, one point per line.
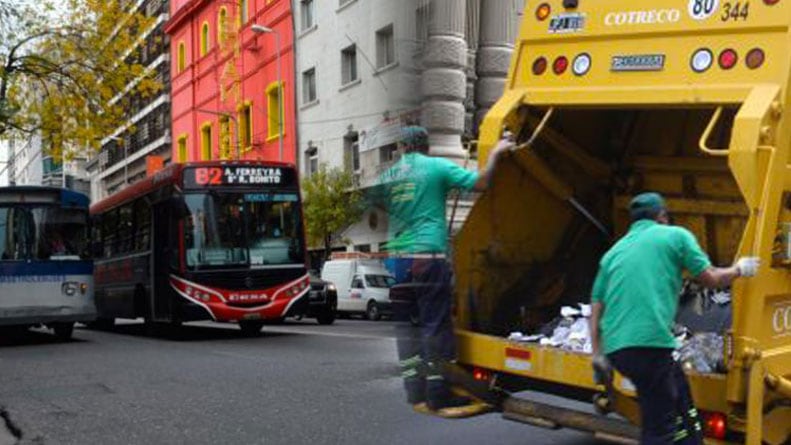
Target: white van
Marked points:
363	286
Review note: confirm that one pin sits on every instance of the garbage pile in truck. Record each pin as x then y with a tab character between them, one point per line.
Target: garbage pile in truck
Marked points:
700	344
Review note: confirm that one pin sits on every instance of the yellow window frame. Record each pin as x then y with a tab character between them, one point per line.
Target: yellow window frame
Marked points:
245	120
181	62
204	39
275	113
206	141
222	25
182	148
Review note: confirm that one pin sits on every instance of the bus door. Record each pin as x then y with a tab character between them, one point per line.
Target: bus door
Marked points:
165	245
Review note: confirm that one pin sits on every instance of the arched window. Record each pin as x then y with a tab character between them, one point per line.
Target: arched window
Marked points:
222	25
181	60
274	109
204	39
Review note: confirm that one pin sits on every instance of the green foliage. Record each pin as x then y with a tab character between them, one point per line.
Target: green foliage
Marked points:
65	66
331	204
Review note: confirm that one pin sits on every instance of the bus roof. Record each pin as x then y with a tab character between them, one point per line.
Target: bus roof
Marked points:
170	175
43	195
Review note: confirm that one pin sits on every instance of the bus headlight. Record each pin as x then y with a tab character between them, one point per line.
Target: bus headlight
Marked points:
69	288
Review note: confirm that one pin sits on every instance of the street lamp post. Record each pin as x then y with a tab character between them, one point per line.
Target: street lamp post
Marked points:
235	124
260	29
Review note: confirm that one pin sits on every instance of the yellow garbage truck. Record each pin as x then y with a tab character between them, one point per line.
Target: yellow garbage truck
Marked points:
689	98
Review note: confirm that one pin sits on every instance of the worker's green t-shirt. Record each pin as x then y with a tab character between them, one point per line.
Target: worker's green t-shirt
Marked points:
638	284
417	189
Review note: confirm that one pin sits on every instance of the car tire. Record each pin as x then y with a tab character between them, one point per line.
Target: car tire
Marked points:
372	311
251	328
63	330
327	317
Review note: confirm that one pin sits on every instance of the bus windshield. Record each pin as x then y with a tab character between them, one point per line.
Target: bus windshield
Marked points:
44	232
242	229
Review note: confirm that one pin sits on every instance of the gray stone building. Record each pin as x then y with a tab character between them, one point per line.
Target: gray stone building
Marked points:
367	67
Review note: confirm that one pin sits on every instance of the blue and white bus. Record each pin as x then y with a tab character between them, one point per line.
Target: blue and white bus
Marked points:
46	273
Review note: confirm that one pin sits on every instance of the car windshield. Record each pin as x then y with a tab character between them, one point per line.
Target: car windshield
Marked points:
43	233
383	281
242	229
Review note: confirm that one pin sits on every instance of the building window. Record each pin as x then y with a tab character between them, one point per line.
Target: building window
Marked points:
246	126
205	142
204	39
182	154
309	86
385	47
306	11
349	64
312	155
351	148
222	25
274	108
225	138
388	153
243	11
182	58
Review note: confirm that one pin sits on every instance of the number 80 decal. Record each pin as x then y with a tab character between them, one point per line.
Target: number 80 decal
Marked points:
703	9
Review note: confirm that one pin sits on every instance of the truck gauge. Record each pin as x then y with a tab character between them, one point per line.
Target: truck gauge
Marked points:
582	64
701	60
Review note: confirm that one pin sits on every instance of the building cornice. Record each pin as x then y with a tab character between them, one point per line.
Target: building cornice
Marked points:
183	14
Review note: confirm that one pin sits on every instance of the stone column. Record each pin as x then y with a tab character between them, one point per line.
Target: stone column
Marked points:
444	83
499	23
473	34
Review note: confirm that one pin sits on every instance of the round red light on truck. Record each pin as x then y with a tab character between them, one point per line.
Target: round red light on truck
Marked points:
728	59
755	58
543	11
560	65
539	66
771	2
715	425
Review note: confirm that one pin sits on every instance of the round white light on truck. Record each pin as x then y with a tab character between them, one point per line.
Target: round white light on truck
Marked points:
582	64
701	60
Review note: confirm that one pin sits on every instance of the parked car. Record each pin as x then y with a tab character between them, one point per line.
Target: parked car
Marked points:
363	286
321	302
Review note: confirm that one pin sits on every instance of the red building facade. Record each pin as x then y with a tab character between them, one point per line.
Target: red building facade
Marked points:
225	73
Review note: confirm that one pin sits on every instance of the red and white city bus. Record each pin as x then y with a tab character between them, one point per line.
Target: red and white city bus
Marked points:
209	240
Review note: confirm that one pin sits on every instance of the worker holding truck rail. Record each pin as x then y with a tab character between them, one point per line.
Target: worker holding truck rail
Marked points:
635	299
415	192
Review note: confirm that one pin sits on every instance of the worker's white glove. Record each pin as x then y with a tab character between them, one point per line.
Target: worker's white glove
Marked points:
748	266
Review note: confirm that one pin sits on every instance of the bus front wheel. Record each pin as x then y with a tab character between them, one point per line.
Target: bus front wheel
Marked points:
251	328
63	331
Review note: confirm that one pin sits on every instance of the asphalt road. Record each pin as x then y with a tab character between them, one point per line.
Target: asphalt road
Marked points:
298	383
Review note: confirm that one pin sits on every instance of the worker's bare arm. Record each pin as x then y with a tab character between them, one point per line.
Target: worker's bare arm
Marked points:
596	311
717	277
723	276
485	179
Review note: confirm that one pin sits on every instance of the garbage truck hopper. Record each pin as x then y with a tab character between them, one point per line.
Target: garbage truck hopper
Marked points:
686	98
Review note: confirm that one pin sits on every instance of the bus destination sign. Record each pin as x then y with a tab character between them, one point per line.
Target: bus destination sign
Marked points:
237	176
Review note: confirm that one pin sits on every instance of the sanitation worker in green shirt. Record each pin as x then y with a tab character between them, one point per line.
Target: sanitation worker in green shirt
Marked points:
415	193
635	299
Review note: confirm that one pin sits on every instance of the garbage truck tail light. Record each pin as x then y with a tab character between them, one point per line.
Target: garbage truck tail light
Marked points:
539	66
560	65
482	375
701	60
771	2
543	11
755	58
728	59
714	425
